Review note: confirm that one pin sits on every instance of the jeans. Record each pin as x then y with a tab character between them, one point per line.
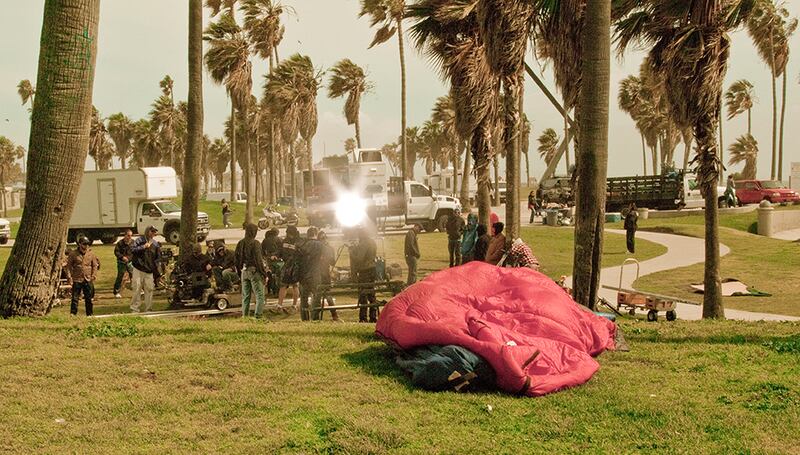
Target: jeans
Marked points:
630	238
226	218
533	213
411	262
142	280
87	289
122	267
454	247
224	278
252	283
366	295
312	312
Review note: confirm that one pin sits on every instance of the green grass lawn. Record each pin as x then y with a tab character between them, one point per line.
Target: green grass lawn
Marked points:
242	386
769	265
553	247
745	222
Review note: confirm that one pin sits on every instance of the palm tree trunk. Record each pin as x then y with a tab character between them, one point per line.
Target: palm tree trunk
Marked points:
721	146
247	169
233	151
654	158
496	187
592	155
513	91
780	133
749	121
257	170
310	167
408	171
481	152
566	153
272	164
59	138
358	131
707	176
644	155
194	145
774	107
456	167
293	165
465	177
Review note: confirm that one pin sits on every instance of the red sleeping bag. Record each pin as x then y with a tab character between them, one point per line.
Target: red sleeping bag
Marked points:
537	339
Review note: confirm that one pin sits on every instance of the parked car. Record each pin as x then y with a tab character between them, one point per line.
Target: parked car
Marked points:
5	231
755	191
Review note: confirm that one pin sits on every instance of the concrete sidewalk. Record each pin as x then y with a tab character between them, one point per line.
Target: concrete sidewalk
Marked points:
681	251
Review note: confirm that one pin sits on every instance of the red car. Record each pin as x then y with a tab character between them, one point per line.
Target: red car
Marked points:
755	191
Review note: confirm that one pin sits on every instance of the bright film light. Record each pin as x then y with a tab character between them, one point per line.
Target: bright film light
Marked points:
350	209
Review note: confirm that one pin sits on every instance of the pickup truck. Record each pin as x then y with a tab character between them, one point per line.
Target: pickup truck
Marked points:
409	203
755	191
110	202
663	192
5	231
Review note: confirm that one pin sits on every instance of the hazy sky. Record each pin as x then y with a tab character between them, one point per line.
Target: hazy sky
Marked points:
141	41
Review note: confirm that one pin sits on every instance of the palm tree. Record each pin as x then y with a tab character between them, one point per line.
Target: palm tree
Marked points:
99	144
9	154
416	146
146	150
592	153
290	92
452	39
769	27
689	45
218	5
444	113
59	139
739	99
525	145
165	117
389	14
745	150
349	79
262	22
121	130
548	145
392	156
228	63
506	26
631	101
217	157
26	92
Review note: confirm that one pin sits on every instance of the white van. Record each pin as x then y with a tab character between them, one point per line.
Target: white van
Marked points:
241	197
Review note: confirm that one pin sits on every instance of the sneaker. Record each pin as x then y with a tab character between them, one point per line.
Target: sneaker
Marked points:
117	295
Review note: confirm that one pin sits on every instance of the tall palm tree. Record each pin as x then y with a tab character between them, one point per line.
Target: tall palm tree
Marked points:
59	139
689	45
217	157
228	62
592	153
165	117
416	146
451	37
121	130
349	79
444	113
262	22
631	101
26	92
389	14
769	27
506	25
146	150
739	99
99	144
745	150
548	145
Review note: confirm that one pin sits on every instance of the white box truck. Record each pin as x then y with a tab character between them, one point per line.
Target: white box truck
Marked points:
109	202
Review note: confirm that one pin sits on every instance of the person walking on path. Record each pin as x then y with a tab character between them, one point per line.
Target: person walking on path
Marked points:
469	238
146	251
122	251
326	265
226	214
497	245
82	266
251	266
631	224
730	192
412	253
362	261
532	205
455	228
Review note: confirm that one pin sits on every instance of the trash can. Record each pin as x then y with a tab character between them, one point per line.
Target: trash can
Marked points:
552	217
613	217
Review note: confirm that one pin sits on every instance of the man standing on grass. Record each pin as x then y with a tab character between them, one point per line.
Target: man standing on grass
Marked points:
310	275
146	251
412	253
122	251
631	224
82	266
362	262
253	272
455	227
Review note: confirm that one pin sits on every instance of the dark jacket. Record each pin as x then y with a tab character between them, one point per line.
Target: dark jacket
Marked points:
455	227
411	244
82	267
146	259
248	252
362	256
631	220
123	249
226	261
198	262
310	256
326	263
271	246
481	247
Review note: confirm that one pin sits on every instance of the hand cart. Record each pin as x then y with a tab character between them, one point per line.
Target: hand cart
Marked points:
632	300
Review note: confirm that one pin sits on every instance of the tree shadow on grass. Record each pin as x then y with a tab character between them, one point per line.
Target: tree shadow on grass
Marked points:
378	361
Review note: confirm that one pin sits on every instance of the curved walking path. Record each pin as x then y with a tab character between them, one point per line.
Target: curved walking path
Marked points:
681	251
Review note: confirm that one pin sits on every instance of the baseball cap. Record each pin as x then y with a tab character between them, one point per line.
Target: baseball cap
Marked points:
152	228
